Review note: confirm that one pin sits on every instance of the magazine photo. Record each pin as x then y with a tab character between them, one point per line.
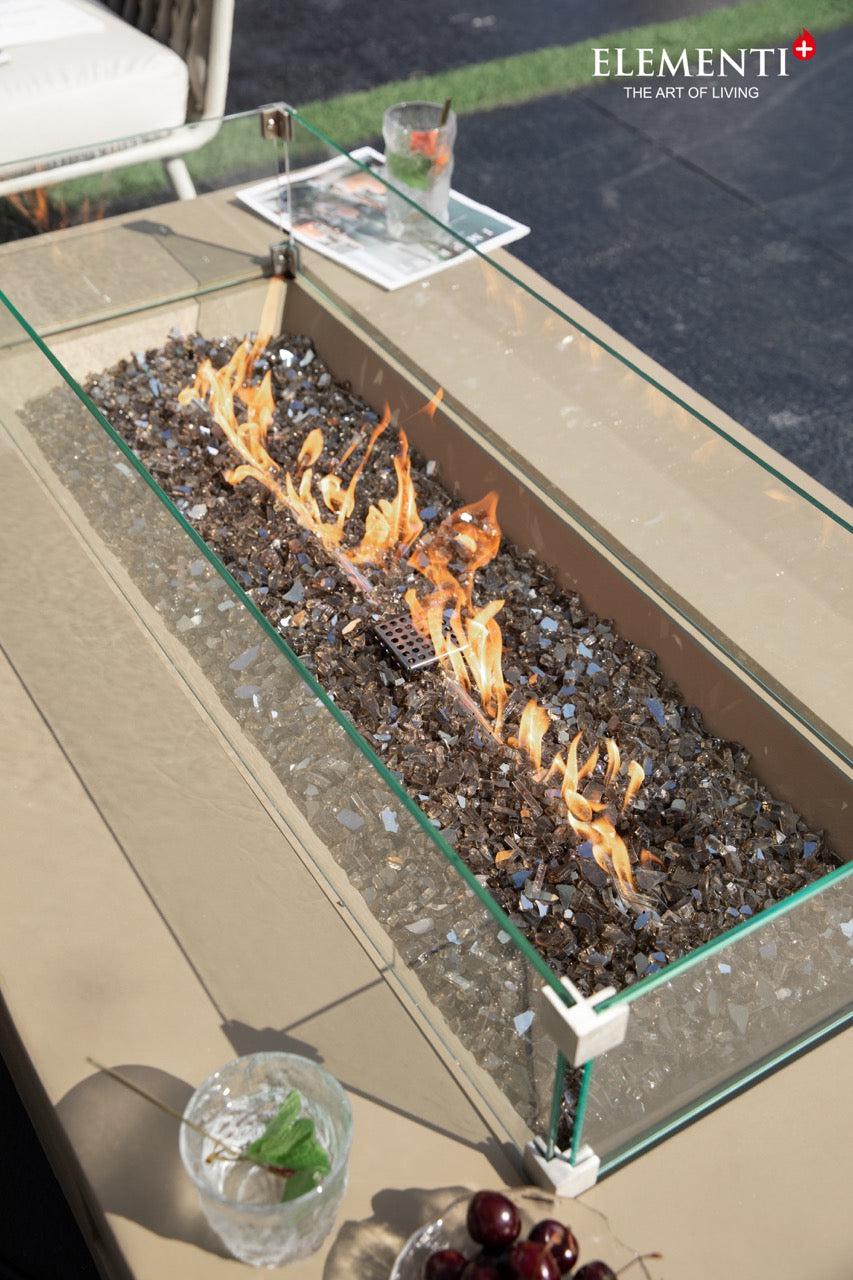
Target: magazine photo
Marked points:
338	208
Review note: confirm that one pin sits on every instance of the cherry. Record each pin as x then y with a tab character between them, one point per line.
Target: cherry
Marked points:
445	1264
595	1271
483	1269
528	1260
493	1220
560	1240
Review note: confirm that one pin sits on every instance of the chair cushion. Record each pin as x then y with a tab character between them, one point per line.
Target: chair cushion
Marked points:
66	92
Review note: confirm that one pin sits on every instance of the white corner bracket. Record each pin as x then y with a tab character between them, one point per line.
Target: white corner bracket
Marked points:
559	1175
582	1031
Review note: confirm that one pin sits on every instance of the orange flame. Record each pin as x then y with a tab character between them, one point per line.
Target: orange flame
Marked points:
391	526
306	508
34	206
531	730
312	447
471	535
428	618
636	778
586	816
348	504
349	451
614	761
356	439
220	386
611	854
332	491
483	641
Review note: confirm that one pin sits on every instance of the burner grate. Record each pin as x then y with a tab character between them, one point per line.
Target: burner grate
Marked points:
405	644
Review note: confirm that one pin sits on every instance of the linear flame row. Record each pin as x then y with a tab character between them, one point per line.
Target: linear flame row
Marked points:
390	526
466	636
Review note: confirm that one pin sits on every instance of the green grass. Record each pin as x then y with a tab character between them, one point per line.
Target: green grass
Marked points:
356	117
563	68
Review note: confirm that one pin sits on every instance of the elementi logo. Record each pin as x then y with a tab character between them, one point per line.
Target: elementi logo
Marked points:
699	64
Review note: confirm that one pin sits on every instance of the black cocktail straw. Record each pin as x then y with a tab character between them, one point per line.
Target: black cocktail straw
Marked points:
445	112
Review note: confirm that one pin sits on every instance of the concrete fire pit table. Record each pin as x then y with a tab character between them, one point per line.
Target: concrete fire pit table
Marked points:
164	907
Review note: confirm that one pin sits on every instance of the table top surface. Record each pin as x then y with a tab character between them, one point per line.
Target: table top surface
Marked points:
129	828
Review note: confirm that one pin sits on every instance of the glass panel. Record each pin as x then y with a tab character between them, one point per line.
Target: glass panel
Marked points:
474	978
683	499
724	1016
737	510
90	273
218	152
689	501
107	176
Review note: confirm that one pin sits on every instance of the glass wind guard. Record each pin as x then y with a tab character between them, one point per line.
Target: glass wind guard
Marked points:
112	258
722	1019
472	977
609	479
677	492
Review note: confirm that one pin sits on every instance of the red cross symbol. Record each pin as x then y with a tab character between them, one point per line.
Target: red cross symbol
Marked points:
804	46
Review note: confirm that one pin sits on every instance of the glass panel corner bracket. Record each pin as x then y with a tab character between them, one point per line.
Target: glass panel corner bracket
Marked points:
582	1030
277	126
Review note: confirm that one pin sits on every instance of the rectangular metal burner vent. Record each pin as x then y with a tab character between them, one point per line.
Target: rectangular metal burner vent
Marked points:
406	645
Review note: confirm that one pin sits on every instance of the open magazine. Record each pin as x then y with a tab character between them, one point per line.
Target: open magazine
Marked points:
339	210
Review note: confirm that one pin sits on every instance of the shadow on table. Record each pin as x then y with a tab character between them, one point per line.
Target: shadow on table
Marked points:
129	1152
245	1039
248	1039
367	1248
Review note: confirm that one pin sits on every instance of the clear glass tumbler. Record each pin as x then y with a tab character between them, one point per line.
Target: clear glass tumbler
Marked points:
242	1202
419	162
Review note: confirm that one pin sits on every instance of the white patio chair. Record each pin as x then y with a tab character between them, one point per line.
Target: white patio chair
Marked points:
86	87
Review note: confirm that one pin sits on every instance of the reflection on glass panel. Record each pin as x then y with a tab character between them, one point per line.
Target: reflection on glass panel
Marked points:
100	267
110	176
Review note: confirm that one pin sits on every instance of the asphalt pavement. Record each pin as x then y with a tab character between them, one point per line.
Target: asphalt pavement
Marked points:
715	235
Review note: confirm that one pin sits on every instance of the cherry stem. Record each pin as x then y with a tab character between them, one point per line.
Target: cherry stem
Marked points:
231	1152
641	1257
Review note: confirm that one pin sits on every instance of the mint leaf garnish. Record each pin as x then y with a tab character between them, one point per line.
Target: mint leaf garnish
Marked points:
263	1148
298	1185
288	1145
309	1154
275	1145
413	170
